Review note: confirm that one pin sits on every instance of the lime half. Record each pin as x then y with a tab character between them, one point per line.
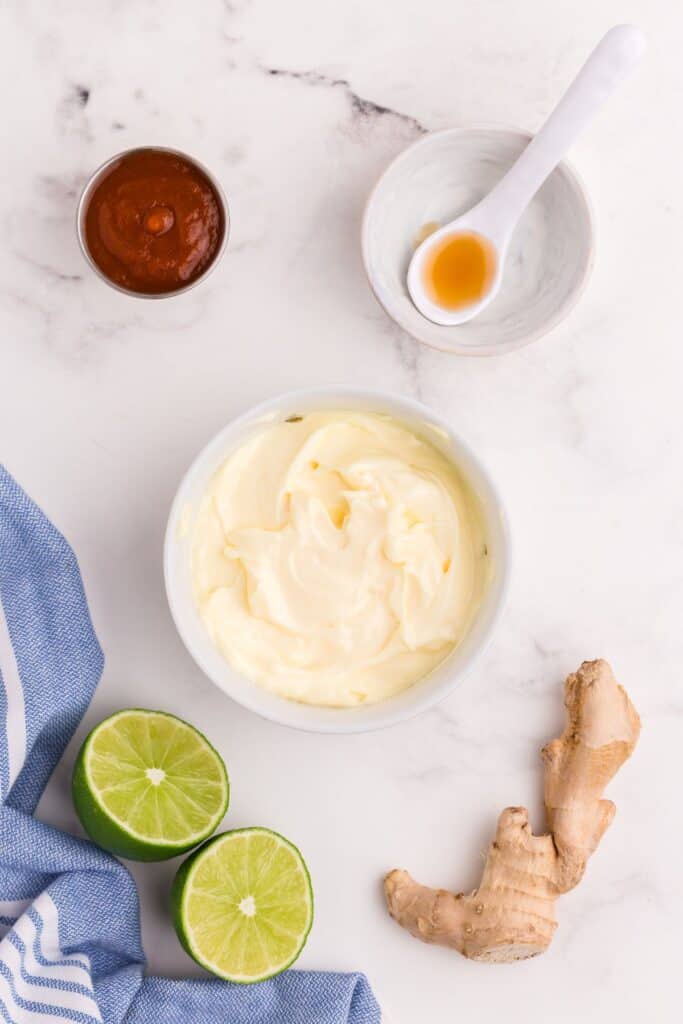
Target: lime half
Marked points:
148	786
243	904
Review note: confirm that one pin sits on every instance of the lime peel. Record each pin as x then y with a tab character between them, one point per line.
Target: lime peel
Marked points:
243	905
149	786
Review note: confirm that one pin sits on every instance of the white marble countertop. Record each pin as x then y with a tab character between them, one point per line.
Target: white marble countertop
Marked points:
104	400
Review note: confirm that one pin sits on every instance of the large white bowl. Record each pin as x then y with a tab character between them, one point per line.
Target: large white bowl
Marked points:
425	692
443	175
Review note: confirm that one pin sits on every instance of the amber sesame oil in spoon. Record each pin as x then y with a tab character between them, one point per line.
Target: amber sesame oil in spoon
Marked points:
457	270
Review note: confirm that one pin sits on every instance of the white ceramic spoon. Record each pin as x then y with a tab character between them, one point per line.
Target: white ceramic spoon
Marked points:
496	215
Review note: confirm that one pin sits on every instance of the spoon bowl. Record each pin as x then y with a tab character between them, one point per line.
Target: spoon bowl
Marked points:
417	272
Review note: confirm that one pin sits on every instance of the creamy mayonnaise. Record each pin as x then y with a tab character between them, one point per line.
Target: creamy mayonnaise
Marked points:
337	558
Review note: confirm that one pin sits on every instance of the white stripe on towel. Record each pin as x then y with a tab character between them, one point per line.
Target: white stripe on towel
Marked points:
48	944
35	991
16	721
19	1014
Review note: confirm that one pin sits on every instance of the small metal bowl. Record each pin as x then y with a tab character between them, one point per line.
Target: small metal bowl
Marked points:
102	172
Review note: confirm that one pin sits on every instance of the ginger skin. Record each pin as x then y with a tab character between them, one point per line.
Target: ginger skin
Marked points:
511	916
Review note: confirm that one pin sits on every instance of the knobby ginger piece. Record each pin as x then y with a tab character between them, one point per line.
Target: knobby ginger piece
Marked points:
511	916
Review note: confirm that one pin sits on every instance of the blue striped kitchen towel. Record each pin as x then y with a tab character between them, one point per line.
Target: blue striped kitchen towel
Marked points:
69	920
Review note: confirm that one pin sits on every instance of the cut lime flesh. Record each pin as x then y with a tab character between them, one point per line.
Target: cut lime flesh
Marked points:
243	905
148	786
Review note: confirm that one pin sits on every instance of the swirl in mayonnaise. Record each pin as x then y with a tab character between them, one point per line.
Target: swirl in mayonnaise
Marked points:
337	558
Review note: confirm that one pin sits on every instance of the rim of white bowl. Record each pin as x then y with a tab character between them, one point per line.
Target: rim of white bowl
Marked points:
564	308
423	694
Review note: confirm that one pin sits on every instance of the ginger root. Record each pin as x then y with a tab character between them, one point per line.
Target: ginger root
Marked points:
511	916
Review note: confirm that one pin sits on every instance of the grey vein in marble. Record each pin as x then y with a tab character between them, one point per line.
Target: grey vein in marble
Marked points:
360	106
409	355
70	112
49	271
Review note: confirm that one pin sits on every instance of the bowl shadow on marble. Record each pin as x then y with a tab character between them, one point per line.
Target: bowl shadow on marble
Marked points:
441	176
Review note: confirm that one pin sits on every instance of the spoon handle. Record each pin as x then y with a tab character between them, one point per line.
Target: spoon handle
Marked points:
612	60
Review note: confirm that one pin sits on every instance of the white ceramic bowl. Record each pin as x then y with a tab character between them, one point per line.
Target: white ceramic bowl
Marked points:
443	175
422	694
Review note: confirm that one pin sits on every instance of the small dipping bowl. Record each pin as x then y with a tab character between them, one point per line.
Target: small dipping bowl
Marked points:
103	172
440	177
424	692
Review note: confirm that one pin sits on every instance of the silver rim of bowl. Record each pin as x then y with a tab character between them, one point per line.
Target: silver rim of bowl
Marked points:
101	172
